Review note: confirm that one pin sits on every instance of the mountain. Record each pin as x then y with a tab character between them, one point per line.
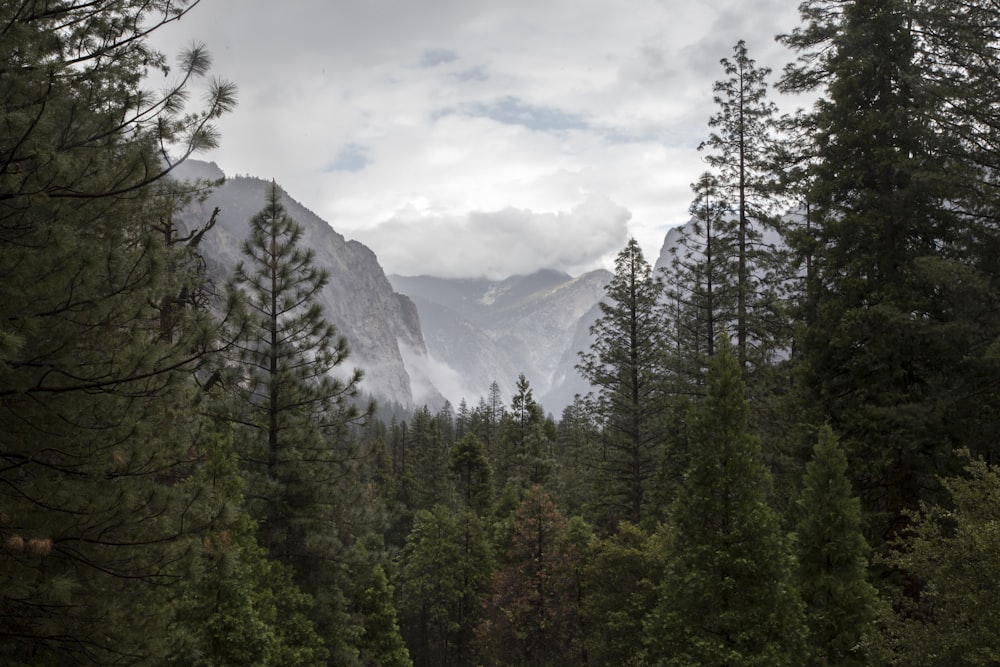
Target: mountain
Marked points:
419	339
479	331
671	243
382	327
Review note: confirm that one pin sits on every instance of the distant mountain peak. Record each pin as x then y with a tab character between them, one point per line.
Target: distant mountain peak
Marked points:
382	327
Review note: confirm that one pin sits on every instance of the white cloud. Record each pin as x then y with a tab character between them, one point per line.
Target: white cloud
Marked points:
496	244
446	114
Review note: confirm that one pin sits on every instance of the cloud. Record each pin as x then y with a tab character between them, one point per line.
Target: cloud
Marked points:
435	57
496	244
463	117
513	111
351	157
432	378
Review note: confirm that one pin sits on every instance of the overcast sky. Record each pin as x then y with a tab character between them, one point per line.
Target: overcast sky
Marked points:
462	138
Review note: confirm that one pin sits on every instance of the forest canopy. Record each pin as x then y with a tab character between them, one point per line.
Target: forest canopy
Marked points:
786	456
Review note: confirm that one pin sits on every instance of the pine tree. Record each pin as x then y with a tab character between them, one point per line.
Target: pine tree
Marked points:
445	577
702	285
289	392
296	406
841	605
531	611
472	474
742	146
380	643
577	438
96	403
728	595
429	452
236	606
488	419
899	308
955	551
525	447
625	367
621	576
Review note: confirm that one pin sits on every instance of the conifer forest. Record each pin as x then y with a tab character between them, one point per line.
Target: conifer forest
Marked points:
787	456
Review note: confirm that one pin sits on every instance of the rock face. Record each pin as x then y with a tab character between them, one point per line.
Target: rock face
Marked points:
382	327
671	243
479	331
445	339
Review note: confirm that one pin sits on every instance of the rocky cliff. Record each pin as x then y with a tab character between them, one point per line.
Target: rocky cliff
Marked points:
479	331
382	327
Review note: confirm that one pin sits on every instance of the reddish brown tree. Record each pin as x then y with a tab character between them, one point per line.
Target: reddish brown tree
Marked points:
530	615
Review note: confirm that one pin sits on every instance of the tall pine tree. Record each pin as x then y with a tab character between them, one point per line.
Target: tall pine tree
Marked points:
728	596
291	398
741	146
100	434
900	305
625	367
841	604
296	405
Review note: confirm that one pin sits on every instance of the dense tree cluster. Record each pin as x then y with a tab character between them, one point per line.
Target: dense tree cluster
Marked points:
787	456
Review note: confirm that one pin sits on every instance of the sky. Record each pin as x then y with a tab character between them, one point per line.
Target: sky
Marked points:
474	138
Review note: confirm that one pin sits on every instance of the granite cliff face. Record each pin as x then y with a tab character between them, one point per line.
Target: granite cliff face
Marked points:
382	327
422	340
479	331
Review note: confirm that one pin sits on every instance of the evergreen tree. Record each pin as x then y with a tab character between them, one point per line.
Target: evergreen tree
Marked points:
463	420
625	367
899	309
236	606
525	446
289	391
380	643
841	605
621	575
577	438
727	596
445	576
429	451
955	551
473	477
96	403
491	411
531	611
296	406
702	282
741	146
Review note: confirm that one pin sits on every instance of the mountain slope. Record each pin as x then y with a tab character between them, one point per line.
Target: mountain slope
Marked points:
483	331
382	327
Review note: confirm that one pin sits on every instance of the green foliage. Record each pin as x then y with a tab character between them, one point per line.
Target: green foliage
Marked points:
242	609
728	595
702	285
445	576
473	477
525	447
531	613
625	366
429	449
124	539
96	390
741	146
892	363
841	605
621	575
953	553
576	443
380	643
297	451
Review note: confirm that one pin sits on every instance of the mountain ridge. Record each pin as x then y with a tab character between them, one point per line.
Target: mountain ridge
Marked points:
420	340
381	326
